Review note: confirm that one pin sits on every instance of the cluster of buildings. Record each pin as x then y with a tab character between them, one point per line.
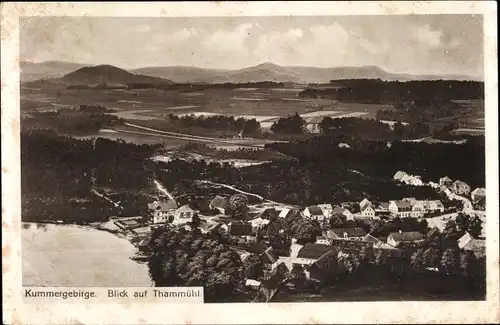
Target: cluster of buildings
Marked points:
168	211
335	244
405	208
447	186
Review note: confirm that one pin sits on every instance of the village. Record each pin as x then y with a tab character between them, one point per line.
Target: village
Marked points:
265	231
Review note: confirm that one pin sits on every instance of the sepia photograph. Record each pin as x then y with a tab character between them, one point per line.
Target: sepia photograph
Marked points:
293	172
265	159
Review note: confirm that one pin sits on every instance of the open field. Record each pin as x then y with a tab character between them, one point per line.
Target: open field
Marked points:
151	103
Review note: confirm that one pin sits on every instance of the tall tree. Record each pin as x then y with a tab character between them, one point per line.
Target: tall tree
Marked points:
450	263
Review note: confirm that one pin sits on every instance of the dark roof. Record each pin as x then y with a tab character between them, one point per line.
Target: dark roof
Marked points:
240	228
476	245
351	232
407	236
339	210
218	202
434	231
321	267
269	256
384	205
351	246
164	206
274	227
268	214
403	204
315	211
313	251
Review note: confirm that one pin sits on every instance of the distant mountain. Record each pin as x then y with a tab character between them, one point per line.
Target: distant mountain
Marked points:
108	74
46	70
272	72
181	74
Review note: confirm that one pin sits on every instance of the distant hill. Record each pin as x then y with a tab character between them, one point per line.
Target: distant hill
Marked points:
99	74
46	70
108	74
182	74
273	72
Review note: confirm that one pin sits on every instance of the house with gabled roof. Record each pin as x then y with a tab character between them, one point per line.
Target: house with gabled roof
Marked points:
445	181
400	208
270	259
314	213
342	211
478	194
396	238
239	228
183	215
364	203
327	209
399	175
367	210
372	239
162	210
309	253
258	223
469	243
326	266
219	203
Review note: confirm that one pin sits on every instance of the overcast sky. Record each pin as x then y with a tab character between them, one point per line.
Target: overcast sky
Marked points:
437	44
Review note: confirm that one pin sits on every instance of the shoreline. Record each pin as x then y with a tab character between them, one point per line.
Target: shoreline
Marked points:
92	225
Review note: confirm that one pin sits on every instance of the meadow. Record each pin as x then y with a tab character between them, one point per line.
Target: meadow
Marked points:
263	104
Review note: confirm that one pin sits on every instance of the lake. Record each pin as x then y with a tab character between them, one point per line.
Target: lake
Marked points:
70	255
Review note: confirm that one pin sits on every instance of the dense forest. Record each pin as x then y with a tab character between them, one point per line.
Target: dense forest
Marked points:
376	91
86	120
248	127
59	173
377	159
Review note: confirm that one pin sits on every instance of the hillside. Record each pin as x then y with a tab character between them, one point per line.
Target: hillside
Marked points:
273	72
108	74
185	74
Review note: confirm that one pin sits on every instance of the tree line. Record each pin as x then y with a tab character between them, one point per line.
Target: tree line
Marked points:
378	91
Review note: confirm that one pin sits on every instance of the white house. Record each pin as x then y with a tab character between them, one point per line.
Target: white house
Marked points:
327	209
258	223
400	208
363	203
399	175
284	213
367	210
416	181
478	194
418	209
396	238
434	206
162	210
343	211
183	215
219	203
314	213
